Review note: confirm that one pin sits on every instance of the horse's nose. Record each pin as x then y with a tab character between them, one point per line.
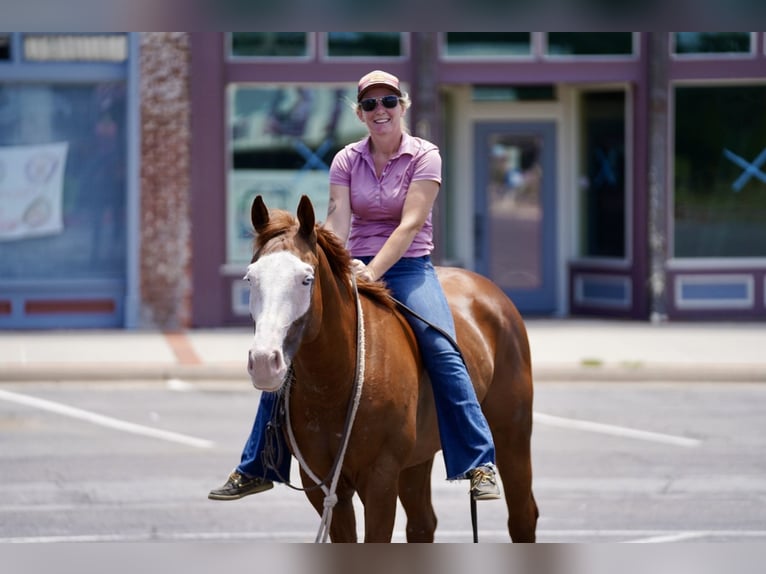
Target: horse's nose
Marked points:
266	367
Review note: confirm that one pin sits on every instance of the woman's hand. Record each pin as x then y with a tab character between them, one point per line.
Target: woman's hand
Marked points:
360	270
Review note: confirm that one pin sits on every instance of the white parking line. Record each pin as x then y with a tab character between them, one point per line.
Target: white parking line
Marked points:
671	537
102	420
614	430
647	536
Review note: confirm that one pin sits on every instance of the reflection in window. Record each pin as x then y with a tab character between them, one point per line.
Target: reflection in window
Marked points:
76	47
602	169
504	93
282	139
515	210
478	44
712	42
356	44
590	43
269	44
86	122
720	171
5	47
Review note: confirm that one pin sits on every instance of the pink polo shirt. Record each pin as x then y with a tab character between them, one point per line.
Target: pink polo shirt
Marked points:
376	204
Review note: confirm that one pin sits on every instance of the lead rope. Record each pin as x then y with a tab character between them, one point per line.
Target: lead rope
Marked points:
330	498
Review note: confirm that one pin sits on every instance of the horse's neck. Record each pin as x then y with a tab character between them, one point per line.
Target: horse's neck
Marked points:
327	362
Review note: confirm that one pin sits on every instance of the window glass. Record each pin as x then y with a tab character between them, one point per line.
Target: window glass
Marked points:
269	44
478	44
590	43
501	93
76	47
355	44
62	181
711	42
282	139
720	171
602	174
5	47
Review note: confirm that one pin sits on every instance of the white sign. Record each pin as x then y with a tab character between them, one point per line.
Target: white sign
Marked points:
31	190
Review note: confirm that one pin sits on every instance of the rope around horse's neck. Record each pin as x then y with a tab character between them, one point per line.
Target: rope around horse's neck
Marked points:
330	498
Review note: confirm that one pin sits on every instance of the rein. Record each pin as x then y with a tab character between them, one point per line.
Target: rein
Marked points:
436	328
330	498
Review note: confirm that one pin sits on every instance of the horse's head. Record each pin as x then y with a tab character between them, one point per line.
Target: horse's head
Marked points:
281	278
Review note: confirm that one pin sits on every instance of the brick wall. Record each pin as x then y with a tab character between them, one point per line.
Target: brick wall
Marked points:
165	181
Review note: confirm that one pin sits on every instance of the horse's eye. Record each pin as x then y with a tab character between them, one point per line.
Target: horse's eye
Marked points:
308	280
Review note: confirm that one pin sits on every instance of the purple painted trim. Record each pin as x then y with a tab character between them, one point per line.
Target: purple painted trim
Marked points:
594	269
208	185
757	313
537	71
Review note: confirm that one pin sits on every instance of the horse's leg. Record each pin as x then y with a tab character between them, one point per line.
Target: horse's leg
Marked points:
378	490
415	494
512	431
343	525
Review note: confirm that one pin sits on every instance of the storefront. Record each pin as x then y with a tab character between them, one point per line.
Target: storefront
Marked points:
554	163
536	131
67	237
609	174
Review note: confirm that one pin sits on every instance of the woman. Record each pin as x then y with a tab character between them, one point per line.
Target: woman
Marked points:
382	191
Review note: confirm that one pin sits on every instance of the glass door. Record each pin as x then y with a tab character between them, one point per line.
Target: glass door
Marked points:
515	221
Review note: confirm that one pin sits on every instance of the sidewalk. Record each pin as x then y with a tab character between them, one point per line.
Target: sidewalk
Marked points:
562	350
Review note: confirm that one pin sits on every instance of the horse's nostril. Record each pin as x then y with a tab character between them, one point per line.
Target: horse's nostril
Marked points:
276	360
249	361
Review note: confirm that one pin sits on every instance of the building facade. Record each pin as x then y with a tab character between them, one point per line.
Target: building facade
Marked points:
604	174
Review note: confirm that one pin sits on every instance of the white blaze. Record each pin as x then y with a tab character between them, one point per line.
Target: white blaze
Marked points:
280	294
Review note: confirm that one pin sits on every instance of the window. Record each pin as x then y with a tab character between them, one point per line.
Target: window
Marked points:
590	43
712	43
269	44
719	171
602	174
5	47
503	93
482	44
364	44
282	139
75	47
62	181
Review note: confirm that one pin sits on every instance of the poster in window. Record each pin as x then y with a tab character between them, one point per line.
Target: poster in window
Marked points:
31	189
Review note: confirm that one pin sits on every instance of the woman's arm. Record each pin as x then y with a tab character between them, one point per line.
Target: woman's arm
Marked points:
418	204
339	212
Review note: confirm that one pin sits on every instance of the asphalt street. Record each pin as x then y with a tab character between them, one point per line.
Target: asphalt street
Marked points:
132	461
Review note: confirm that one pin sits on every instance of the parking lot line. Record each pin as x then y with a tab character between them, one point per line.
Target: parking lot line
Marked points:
615	430
104	421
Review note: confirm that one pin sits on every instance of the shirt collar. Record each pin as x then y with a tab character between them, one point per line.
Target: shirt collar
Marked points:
409	145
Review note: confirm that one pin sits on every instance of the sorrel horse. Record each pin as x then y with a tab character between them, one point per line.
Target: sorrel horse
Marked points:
303	303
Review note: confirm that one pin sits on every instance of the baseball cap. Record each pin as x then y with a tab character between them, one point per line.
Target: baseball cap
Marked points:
377	78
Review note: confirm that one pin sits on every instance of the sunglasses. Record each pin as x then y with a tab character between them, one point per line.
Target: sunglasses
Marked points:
369	104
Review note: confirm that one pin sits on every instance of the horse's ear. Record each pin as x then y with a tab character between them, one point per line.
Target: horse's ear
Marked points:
259	214
307	219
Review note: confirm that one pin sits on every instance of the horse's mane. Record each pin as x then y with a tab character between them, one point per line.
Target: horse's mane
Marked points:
281	224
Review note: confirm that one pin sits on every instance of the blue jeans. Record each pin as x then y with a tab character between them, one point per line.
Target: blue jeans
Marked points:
465	435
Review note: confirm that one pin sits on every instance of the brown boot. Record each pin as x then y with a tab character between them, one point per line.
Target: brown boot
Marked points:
238	485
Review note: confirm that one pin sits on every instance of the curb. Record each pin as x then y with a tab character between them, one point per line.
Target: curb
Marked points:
237	372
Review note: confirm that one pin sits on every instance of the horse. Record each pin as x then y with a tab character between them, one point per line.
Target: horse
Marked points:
304	303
